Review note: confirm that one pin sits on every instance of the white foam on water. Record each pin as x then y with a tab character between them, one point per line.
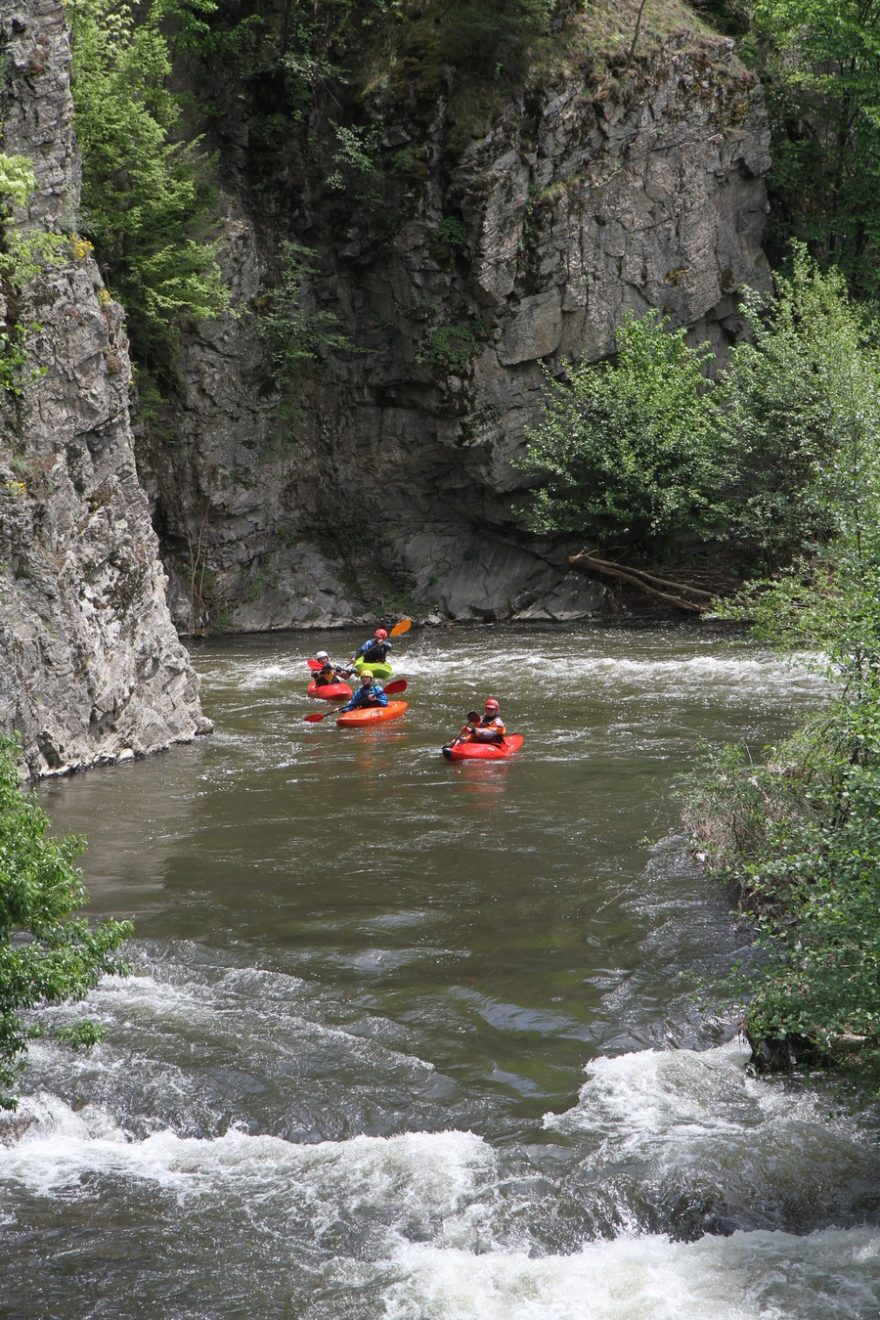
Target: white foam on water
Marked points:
743	674
414	1176
231	674
225	1008
698	1115
656	1092
749	1276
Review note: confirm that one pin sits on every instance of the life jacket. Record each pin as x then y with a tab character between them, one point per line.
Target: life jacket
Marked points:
370	694
374	653
493	725
326	676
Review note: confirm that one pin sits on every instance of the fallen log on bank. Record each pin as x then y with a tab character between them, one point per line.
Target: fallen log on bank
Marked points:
647	582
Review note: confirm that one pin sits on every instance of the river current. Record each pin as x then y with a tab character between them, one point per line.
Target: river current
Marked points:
411	1040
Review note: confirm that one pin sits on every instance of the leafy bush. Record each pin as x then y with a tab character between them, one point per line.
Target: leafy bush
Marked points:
627	450
451	232
23	254
780	454
48	956
798	407
800	836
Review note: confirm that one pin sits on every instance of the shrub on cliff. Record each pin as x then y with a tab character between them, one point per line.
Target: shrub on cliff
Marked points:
48	955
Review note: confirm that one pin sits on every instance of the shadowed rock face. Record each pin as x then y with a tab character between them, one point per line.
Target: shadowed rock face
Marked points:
92	668
389	483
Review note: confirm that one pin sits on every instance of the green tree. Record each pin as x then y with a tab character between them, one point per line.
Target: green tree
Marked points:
798	411
146	195
820	63
627	449
48	956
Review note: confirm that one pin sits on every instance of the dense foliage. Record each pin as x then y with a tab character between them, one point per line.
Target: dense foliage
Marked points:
797	411
365	44
772	456
801	838
147	200
819	61
627	450
48	955
801	834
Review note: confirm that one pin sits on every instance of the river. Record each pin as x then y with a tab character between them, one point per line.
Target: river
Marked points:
411	1040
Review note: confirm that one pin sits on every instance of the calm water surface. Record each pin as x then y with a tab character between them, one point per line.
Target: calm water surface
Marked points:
409	1040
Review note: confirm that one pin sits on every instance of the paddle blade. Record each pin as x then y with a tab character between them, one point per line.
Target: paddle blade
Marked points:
314	665
322	715
399	685
400	628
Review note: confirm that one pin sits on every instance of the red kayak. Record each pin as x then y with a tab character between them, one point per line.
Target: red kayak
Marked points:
329	691
361	715
484	751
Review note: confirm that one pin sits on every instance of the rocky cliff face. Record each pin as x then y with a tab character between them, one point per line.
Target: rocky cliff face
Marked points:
389	484
92	667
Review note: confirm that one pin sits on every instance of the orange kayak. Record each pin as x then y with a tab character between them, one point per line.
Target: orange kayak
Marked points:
483	751
361	715
329	691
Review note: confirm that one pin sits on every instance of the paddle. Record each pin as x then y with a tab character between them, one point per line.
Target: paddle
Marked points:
399	685
316	666
473	717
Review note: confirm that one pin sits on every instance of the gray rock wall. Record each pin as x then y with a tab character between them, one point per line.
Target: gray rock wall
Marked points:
389	484
92	667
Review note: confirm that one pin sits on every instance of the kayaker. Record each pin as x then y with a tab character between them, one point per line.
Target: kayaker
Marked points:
328	673
491	727
375	649
368	694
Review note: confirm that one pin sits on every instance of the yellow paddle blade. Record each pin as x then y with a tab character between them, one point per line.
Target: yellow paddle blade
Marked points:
400	628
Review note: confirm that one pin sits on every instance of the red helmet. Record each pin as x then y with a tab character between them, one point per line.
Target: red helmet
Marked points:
491	704
381	633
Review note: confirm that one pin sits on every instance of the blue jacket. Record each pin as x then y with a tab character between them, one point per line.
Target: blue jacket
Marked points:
369	695
373	651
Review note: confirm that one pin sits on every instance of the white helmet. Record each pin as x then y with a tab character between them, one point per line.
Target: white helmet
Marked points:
321	655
